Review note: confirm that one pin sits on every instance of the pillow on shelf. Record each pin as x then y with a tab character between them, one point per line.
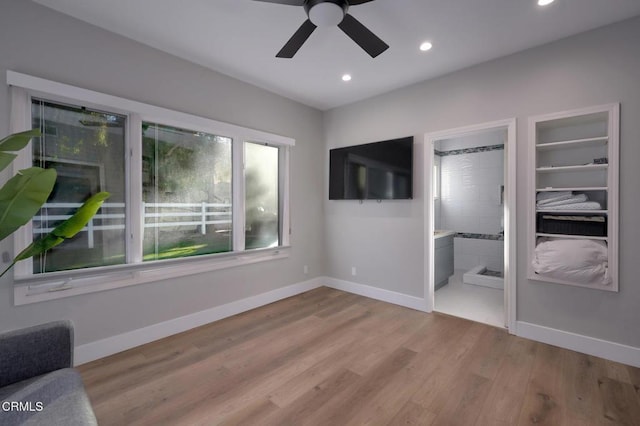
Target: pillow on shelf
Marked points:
581	261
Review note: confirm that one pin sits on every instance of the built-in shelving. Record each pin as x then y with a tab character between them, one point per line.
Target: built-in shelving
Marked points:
575	151
577	237
569	211
588	142
575	188
577	168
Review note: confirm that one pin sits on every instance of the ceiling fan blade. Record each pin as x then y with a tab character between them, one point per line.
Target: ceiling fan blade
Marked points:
297	40
362	36
357	2
287	2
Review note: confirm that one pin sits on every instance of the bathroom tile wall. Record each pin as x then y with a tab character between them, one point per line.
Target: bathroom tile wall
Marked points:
470	192
469	253
470	201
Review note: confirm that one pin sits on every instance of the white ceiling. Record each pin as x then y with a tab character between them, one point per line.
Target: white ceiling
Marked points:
241	37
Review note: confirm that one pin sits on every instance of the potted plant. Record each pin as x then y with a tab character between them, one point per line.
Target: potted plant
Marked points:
22	196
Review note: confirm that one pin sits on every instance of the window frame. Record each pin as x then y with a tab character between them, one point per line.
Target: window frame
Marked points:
30	288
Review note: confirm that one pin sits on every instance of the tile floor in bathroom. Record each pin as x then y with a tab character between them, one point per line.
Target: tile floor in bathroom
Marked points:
476	303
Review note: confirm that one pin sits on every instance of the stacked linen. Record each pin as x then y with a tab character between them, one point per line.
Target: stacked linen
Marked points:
552	197
576	260
565	200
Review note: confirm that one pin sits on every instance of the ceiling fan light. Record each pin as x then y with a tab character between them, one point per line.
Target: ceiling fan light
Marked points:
326	14
544	2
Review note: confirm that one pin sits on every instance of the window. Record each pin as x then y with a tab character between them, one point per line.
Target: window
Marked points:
183	189
82	150
186	192
261	196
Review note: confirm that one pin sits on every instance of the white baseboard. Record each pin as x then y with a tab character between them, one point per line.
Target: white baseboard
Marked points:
114	344
401	299
91	351
591	346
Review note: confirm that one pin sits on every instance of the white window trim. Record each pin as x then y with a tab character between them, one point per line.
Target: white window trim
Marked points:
41	87
36	288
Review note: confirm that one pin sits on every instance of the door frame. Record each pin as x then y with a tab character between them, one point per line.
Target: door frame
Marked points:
509	212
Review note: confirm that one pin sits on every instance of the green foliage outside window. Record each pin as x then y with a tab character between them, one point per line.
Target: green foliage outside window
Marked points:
22	196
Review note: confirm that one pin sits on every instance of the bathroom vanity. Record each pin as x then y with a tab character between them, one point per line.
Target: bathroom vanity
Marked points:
443	257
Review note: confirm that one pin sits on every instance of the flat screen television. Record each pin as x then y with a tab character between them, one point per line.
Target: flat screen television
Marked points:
373	171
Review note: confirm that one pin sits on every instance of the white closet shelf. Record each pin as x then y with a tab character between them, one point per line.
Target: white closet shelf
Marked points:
575	237
538	277
584	188
589	142
583	167
572	211
562	152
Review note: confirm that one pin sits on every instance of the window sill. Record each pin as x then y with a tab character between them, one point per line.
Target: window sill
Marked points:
66	284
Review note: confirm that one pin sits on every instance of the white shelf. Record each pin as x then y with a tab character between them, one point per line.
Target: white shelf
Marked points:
574	138
538	277
580	168
584	188
582	143
573	237
584	116
572	211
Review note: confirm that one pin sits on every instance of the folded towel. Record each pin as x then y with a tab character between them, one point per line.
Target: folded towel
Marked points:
547	197
588	205
578	198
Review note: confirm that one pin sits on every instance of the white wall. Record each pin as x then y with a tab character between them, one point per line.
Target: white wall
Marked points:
38	41
386	240
470	202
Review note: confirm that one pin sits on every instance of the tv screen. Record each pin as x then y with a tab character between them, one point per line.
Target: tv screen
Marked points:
373	171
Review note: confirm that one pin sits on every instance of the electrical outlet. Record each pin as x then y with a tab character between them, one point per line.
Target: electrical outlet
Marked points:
353	271
305	269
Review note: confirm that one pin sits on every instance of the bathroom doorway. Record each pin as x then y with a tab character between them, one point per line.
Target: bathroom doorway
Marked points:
470	232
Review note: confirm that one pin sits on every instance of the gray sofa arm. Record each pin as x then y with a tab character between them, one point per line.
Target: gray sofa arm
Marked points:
33	351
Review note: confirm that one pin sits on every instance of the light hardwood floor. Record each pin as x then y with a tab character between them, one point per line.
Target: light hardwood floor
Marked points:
332	358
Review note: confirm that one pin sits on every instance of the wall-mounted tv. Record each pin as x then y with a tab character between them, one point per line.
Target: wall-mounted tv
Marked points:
373	171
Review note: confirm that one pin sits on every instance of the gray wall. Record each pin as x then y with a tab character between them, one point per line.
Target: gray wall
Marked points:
44	43
385	240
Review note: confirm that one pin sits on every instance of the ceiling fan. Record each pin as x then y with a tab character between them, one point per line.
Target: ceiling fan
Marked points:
328	13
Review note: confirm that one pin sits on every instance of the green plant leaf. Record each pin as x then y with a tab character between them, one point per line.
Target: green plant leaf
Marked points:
12	143
17	141
35	248
81	217
6	159
22	196
65	230
39	246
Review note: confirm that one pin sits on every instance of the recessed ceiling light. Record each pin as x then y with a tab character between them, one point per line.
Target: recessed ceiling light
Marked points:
426	46
544	2
346	77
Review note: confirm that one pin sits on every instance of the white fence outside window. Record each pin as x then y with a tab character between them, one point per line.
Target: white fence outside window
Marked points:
156	215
